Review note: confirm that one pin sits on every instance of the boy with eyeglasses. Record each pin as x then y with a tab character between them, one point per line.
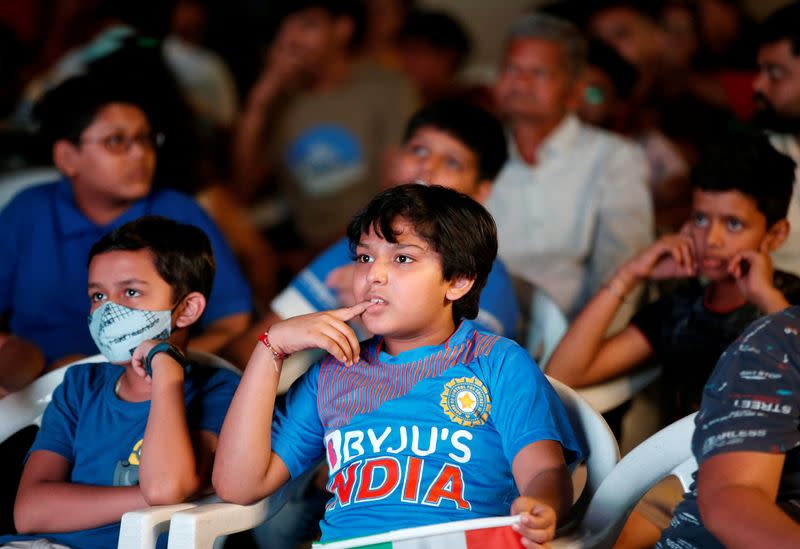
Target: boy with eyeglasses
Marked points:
103	143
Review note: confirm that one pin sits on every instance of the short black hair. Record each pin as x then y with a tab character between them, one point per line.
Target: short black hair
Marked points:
66	110
355	9
782	24
746	162
182	253
456	227
477	129
440	30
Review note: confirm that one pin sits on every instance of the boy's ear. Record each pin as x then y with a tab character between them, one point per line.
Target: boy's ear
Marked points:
776	236
459	288
190	309
65	157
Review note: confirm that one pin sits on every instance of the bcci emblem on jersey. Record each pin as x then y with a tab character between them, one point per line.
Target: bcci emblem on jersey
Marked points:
466	401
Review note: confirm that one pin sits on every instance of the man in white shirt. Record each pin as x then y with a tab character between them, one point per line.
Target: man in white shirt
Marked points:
572	202
777	95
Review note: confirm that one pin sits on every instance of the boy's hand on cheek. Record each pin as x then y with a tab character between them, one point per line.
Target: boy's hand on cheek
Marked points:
754	277
327	330
537	525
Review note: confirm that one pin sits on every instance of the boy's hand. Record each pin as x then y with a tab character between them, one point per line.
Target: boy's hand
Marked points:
537	525
753	273
284	71
671	256
327	330
140	355
341	282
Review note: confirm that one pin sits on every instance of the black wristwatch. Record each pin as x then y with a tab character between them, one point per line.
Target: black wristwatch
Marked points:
164	347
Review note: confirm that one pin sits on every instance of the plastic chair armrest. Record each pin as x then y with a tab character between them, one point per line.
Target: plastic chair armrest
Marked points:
610	394
140	529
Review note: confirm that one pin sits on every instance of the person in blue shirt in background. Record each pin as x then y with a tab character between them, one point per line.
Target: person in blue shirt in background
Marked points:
140	429
449	143
105	146
431	420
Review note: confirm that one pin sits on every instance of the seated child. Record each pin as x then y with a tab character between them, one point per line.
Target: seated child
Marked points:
103	143
448	143
429	421
142	428
740	196
741	192
746	440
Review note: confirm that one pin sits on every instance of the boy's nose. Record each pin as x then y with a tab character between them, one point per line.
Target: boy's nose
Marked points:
377	273
714	235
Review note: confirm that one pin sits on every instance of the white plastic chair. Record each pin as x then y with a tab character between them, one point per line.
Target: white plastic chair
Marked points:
609	394
26	406
199	526
597	440
547	326
139	529
666	453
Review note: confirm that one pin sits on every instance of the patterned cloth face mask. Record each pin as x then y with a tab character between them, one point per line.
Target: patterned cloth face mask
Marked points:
117	330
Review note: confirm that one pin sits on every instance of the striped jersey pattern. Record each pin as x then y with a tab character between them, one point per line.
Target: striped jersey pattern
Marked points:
348	391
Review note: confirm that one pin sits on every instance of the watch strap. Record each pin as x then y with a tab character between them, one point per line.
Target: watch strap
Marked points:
164	347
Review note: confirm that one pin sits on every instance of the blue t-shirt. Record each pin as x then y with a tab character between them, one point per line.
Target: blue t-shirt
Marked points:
44	248
422	438
101	435
751	403
307	293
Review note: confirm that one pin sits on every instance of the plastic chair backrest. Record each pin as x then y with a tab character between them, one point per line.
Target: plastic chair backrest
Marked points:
595	438
547	326
666	453
26	406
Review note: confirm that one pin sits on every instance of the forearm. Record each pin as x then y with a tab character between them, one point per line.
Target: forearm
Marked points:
772	301
220	333
168	471
575	355
244	452
741	516
249	159
240	349
62	506
552	487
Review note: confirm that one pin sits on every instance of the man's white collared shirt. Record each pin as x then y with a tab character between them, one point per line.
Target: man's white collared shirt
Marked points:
567	222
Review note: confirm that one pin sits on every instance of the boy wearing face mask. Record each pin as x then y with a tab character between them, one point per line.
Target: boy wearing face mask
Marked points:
141	429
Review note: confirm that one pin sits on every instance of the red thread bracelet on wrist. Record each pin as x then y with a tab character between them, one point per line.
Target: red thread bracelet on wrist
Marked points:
264	338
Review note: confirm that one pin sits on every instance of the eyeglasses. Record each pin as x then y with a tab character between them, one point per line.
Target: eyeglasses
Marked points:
119	143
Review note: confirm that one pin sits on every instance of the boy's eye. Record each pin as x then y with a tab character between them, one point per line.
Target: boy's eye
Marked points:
363	258
699	220
453	164
735	225
130	292
419	150
403	259
97	296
